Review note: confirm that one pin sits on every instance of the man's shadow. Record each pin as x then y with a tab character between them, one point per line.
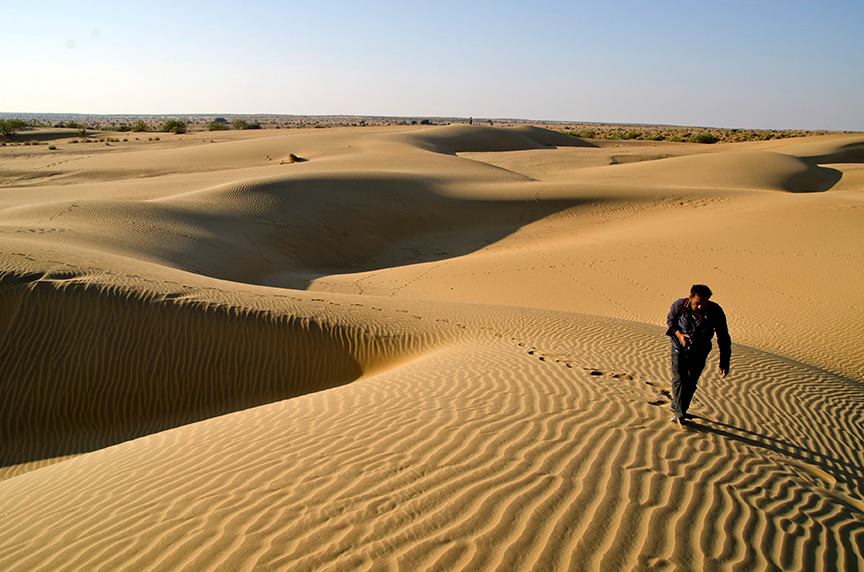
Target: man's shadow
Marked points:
842	471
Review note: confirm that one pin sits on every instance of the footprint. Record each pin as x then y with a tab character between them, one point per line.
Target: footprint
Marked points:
625	376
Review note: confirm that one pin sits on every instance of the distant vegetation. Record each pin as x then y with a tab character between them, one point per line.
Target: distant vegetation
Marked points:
683	134
217	126
174	126
12	126
705	138
139	126
243	124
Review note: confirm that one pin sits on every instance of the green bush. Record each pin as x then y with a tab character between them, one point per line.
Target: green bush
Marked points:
706	138
174	126
216	126
239	124
11	126
139	126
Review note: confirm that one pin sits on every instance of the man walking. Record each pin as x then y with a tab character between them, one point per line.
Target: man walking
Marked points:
691	323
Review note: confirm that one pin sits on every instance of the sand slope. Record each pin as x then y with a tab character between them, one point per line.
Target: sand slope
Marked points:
436	348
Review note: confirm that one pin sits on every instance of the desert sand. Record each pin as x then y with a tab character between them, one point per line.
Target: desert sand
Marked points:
427	348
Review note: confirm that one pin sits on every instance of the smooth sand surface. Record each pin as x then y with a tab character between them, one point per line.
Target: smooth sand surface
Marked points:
427	348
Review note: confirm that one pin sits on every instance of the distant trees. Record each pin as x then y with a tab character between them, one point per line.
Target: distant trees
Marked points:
706	138
11	126
217	125
175	126
139	126
243	124
680	134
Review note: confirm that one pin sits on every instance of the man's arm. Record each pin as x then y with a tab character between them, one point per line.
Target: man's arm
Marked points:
672	318
724	342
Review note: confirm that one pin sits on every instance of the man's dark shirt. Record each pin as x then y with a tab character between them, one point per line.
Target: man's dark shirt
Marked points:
682	318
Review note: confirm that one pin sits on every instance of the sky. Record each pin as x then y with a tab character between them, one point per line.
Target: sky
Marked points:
752	64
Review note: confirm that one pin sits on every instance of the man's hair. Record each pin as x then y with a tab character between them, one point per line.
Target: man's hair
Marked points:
702	290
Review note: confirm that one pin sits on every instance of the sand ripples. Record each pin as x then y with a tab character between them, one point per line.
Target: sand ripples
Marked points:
478	455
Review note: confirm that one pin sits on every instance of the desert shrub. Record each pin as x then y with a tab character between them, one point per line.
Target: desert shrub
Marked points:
74	141
174	126
52	147
255	125
11	126
425	122
214	126
124	128
239	124
705	138
220	120
139	126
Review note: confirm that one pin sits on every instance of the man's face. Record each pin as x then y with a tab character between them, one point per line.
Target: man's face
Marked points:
697	302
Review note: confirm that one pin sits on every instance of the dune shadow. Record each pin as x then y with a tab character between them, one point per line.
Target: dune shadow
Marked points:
817	179
827	177
849	153
326	225
88	366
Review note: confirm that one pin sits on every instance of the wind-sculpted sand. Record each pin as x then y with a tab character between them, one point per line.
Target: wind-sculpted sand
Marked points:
427	348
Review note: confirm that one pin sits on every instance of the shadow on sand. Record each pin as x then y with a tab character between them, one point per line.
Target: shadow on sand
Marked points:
835	468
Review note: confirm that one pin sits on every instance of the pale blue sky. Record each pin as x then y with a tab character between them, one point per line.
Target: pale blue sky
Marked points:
757	63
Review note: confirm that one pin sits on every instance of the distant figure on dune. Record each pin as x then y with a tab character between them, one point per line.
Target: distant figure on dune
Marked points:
692	322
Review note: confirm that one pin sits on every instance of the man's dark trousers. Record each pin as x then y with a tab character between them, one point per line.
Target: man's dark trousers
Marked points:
687	366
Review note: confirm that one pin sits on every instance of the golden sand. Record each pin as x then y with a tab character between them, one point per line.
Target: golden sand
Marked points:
427	348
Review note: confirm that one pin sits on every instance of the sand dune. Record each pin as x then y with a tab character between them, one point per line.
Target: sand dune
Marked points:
427	348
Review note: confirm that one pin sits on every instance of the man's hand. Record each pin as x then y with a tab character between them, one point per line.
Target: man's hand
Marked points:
724	371
683	338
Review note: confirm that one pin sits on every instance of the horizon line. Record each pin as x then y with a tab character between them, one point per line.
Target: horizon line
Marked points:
442	117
